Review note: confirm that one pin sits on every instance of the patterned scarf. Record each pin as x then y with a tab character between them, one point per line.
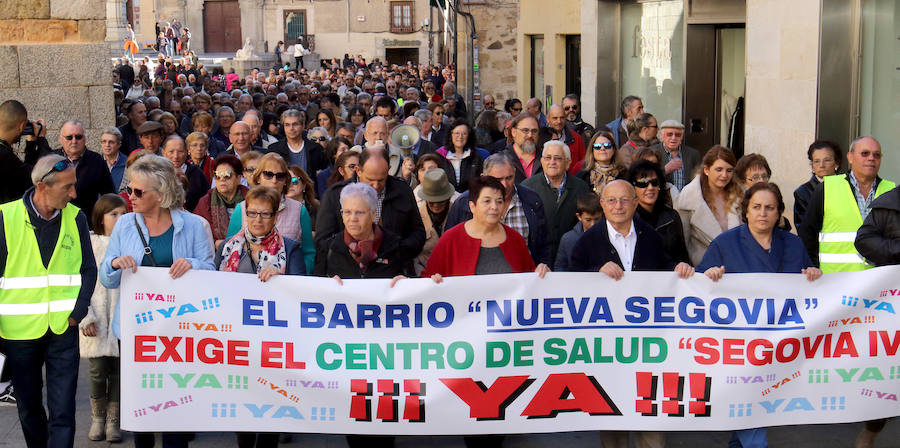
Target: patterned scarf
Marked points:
602	175
364	252
218	207
271	253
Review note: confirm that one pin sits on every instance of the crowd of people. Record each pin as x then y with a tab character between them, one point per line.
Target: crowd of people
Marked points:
331	172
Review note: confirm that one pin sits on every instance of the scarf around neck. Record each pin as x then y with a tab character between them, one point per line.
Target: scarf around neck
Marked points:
365	251
271	252
602	175
219	206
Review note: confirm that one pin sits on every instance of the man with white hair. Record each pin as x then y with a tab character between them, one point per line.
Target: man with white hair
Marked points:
559	191
49	274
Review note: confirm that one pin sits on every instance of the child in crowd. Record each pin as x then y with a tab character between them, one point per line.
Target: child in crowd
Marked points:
97	341
588	211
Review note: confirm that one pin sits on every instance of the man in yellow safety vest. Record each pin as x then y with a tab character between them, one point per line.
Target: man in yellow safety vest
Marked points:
48	276
838	207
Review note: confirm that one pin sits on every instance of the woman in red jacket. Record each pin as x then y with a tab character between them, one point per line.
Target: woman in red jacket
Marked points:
482	245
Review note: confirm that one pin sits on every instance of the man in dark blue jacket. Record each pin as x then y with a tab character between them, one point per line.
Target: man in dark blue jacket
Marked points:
525	212
620	242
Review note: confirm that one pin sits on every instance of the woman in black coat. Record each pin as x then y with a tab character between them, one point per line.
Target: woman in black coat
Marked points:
463	160
650	184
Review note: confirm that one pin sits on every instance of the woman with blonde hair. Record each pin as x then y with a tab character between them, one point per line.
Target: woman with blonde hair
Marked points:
708	205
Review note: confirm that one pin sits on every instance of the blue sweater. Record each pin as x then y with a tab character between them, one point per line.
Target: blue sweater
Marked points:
740	253
190	241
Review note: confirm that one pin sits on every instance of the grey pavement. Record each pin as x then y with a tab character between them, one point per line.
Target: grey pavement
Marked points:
811	436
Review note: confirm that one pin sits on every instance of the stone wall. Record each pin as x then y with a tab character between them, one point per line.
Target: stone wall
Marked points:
496	26
55	61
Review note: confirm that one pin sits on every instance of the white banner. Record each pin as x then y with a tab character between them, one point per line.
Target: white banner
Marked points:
507	353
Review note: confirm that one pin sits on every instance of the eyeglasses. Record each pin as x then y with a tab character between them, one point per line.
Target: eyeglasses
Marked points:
527	131
646	183
57	167
827	160
319	139
553	158
136	192
75	136
249	170
603	145
295	180
759	178
612	201
263	215
280	177
225	175
459	134
516	109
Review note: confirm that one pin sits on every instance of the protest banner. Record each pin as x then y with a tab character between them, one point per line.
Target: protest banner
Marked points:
507	353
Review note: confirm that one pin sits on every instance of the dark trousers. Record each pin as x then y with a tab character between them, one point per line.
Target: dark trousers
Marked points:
257	439
169	439
299	61
105	378
59	352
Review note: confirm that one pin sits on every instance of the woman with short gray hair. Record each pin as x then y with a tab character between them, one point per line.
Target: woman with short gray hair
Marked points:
364	249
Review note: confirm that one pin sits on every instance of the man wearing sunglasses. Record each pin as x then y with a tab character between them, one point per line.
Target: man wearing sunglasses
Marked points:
49	270
91	172
572	107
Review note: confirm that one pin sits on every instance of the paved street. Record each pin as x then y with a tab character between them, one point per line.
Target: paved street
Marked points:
788	436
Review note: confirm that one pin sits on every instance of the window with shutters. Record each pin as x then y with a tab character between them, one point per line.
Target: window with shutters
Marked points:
402	17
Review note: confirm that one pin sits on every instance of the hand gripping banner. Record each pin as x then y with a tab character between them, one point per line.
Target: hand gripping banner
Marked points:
507	353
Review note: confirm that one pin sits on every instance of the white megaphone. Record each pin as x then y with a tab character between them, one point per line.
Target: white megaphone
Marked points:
401	143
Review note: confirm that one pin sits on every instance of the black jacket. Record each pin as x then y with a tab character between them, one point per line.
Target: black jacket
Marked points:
802	196
878	240
15	174
815	215
538	244
315	158
470	167
399	215
667	224
47	234
559	210
333	258
199	186
130	140
594	250
92	180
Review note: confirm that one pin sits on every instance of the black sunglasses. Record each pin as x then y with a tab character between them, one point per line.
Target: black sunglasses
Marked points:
646	183
137	192
280	177
57	167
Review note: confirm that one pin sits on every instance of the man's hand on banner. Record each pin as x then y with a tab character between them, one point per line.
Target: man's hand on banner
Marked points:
613	271
395	279
542	270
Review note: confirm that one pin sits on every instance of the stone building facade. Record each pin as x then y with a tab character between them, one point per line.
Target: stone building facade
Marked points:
55	62
496	26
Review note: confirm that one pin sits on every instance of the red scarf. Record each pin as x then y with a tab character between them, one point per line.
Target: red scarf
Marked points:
365	251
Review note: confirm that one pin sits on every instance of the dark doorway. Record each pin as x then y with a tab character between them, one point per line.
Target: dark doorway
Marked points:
714	86
129	13
222	26
573	64
401	56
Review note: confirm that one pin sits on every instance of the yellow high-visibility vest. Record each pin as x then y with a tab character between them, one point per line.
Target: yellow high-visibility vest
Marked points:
840	223
32	297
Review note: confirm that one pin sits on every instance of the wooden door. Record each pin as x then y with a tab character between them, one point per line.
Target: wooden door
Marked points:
222	26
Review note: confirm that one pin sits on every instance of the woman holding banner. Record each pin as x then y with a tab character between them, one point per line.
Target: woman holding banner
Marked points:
158	233
260	249
757	246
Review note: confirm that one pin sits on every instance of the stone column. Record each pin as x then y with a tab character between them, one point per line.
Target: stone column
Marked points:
782	69
55	61
115	22
252	24
193	19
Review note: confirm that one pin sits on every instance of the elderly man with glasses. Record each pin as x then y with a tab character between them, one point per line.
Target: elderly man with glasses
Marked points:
91	172
681	161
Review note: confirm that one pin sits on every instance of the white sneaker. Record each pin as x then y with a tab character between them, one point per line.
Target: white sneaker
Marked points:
6	397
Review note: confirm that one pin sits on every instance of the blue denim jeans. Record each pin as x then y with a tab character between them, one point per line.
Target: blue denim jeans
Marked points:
59	352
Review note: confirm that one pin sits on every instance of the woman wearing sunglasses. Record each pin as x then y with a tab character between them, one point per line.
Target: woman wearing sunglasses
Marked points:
159	233
649	183
302	190
601	166
219	203
293	219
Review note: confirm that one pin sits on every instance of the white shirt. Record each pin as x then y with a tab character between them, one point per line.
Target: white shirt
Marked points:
624	244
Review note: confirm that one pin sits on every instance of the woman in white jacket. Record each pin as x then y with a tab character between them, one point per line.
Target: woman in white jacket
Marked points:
708	205
97	341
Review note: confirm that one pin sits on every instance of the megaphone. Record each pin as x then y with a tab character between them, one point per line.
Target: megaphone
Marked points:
401	143
403	139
